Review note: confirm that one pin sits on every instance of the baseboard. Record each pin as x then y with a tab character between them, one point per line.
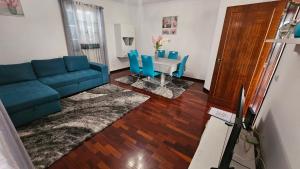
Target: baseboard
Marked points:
205	90
197	80
184	77
193	79
119	70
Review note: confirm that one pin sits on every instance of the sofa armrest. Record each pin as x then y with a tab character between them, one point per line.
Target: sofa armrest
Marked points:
101	68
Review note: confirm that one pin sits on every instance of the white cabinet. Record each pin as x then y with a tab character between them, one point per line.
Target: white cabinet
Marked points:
213	142
125	39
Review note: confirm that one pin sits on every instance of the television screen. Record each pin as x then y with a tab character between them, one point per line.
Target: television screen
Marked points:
228	152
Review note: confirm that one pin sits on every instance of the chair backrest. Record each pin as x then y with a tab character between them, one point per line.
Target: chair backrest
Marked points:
148	67
134	63
173	55
181	67
135	52
161	53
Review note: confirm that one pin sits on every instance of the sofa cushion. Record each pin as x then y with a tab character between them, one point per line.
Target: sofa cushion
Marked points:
16	73
85	75
70	78
75	63
59	80
49	67
19	96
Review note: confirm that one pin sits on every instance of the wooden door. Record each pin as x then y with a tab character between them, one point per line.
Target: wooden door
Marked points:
244	32
263	74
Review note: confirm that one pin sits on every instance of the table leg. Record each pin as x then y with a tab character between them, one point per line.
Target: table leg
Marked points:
162	79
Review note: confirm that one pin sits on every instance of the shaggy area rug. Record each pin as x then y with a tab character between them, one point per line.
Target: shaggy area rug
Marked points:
174	87
82	115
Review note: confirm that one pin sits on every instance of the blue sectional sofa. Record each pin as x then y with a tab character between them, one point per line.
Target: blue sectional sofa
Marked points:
33	90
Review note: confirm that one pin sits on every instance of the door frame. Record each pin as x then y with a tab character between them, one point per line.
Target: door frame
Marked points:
264	51
295	12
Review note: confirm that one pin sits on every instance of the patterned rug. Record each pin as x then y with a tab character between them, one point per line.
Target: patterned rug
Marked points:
174	87
82	115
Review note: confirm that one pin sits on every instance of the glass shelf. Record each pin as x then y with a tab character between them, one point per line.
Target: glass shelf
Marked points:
288	41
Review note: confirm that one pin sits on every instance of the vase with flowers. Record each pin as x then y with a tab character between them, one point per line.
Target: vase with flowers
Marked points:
12	6
158	42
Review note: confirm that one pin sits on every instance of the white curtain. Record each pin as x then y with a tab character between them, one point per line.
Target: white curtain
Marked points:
69	16
88	24
12	152
90	32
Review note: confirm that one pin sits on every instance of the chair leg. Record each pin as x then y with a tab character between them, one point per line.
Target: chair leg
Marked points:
135	76
171	78
139	77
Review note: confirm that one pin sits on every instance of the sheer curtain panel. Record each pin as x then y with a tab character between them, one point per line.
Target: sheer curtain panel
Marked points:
13	155
90	31
69	16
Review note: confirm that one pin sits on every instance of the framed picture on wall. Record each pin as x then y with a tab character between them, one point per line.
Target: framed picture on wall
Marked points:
11	8
169	25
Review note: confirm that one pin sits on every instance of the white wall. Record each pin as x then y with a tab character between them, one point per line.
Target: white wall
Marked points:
40	34
278	120
37	35
196	23
218	32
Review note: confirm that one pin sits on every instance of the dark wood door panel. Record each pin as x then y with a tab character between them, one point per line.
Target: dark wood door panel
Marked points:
249	57
227	56
244	32
266	49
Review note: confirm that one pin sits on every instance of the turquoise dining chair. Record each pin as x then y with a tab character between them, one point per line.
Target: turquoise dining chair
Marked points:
173	55
181	67
161	53
135	52
148	67
134	64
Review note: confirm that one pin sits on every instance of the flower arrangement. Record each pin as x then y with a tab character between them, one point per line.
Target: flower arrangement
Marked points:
12	6
158	42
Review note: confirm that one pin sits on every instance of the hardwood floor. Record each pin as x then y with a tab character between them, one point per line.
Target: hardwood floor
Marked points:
161	133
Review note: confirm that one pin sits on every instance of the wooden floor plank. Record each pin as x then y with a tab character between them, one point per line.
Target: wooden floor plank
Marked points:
160	133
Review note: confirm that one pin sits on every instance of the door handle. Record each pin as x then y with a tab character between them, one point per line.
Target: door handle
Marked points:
219	60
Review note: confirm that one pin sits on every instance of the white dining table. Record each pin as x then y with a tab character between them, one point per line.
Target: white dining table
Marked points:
165	66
